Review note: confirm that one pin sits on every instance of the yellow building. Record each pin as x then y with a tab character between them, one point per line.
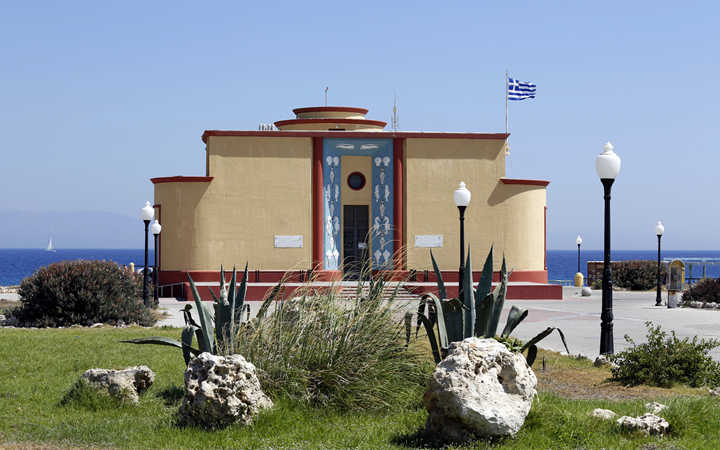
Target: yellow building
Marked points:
331	190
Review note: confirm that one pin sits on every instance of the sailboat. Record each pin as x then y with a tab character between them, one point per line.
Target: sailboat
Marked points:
50	246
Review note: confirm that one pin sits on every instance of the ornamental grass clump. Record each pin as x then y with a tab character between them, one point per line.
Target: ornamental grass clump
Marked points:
326	350
665	360
82	293
706	291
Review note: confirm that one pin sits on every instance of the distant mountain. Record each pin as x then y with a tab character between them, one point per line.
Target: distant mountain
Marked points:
73	229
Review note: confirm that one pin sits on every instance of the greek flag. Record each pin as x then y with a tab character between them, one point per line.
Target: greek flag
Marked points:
520	90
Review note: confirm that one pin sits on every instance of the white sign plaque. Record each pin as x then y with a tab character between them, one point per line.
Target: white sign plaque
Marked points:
288	241
428	240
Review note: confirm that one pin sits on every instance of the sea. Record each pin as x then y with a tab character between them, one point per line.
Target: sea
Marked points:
16	264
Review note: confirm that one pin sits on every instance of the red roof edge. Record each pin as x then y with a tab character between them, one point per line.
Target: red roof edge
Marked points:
329	109
357	134
525	182
181	179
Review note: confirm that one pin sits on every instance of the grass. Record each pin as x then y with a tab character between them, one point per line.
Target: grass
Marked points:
39	367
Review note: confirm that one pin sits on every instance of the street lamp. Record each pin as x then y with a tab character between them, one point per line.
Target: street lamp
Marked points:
461	196
607	165
155	229
146	214
578	275
659	230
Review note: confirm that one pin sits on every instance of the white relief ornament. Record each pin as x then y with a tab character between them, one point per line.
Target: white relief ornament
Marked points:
329	161
337	192
376	226
332	175
382	241
336	160
378	255
327	192
387	192
329	226
332	209
378	161
386	161
335	254
382	209
336	223
386	224
386	255
382	177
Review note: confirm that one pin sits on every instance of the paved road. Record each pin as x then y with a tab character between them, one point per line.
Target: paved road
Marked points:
578	317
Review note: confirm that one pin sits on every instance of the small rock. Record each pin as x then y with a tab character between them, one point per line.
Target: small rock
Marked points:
603	413
479	389
647	423
586	291
125	384
603	361
654	407
714	392
96	325
220	391
2	318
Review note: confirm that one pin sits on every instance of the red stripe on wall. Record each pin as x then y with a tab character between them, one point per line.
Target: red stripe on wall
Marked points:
317	204
398	247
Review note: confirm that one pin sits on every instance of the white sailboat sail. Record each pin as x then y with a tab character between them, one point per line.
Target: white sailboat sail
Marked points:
50	246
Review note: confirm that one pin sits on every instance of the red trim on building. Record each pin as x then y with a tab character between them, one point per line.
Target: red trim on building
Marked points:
377	123
181	179
525	182
317	204
329	109
356	134
398	183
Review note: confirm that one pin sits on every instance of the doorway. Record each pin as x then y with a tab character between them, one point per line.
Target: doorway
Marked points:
355	240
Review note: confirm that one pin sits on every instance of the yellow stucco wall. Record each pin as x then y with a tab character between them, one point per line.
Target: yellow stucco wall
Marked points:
524	225
261	188
433	169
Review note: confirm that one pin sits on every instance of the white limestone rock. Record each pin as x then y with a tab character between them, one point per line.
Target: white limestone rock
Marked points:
604	414
654	407
604	361
714	392
125	385
220	391
479	389
647	423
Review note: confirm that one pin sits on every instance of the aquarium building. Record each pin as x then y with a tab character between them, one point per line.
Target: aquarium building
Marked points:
329	190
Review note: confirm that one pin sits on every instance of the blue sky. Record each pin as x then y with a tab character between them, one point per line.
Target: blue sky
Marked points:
97	97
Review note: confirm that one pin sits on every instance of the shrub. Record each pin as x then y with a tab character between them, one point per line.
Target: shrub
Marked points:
706	291
664	360
638	275
82	293
327	351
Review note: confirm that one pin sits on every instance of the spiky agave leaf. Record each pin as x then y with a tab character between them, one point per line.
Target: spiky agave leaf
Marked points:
241	293
498	301
205	342
532	347
515	316
441	323
431	338
454	315
482	307
442	292
187	337
186	346
408	328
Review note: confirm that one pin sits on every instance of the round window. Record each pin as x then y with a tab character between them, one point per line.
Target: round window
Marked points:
356	181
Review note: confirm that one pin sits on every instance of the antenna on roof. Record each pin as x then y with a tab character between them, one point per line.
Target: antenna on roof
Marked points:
326	89
395	121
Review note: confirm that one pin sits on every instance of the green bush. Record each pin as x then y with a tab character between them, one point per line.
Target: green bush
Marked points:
636	275
664	360
706	291
326	351
82	293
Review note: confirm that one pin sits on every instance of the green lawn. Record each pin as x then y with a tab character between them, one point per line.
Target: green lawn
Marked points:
37	368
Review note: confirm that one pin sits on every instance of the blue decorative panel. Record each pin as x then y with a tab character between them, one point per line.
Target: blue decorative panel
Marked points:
380	152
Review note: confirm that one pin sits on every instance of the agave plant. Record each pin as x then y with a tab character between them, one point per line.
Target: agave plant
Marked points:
477	313
214	333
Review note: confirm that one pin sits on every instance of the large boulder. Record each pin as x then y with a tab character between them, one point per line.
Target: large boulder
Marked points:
479	389
125	385
220	391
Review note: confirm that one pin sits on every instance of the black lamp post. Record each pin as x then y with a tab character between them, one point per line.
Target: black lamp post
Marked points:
578	241
659	230
608	167
461	196
155	229
146	213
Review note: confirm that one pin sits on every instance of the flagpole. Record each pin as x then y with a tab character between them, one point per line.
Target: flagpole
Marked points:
506	102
